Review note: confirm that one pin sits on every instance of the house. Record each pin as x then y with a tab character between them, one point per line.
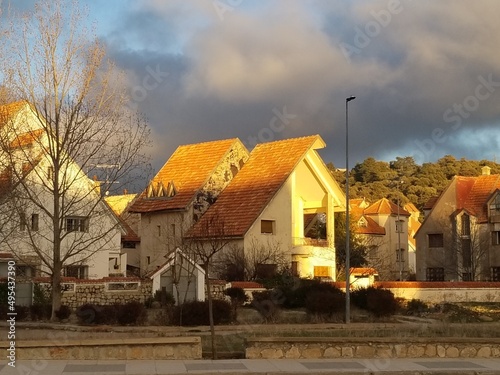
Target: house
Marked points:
362	277
180	276
90	238
384	228
460	236
180	193
130	240
266	204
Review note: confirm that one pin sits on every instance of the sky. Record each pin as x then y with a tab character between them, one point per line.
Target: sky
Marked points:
425	74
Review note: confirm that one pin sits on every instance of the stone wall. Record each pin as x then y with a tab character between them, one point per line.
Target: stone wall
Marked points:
440	292
105	291
148	348
327	347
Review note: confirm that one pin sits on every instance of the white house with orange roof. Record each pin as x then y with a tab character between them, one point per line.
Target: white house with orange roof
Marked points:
180	193
383	227
460	236
89	240
266	204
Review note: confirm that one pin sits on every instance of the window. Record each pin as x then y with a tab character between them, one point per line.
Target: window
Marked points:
467	276
436	240
77	224
34	222
495	206
22	221
466	252
79	272
128	245
322	271
295	268
172	230
495	273
158	227
465	224
495	237
435	274
25	271
399	226
267	226
400	255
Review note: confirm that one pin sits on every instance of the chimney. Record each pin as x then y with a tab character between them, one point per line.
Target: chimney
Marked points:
485	170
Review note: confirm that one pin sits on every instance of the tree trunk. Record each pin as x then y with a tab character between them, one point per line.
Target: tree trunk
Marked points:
210	314
56	290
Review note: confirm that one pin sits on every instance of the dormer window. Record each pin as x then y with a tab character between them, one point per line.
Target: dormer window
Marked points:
465	224
158	190
494	208
362	223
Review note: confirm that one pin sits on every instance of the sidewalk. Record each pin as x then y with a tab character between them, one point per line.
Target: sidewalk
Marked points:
413	366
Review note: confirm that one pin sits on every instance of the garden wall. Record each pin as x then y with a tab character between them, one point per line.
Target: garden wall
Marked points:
439	292
328	347
107	291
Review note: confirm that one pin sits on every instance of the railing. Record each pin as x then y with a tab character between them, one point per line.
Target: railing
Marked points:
306	241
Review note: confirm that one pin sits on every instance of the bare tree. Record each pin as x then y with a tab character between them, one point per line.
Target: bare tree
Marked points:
77	124
207	240
243	264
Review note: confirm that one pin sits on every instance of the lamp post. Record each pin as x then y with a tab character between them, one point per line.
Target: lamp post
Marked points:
399	229
347	224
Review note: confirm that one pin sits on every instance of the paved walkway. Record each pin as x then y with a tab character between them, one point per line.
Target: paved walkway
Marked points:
254	366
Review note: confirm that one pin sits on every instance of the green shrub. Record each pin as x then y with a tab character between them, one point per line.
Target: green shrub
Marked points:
295	296
165	298
267	304
40	311
325	302
195	313
63	312
237	295
97	314
416	306
380	302
23	313
132	313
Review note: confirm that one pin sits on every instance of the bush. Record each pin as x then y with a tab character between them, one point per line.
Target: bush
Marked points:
359	297
96	314
295	296
195	313
237	295
23	313
165	298
63	312
381	302
132	313
267	304
416	306
325	302
40	311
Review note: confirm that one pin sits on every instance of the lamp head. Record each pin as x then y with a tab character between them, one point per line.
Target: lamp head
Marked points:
350	98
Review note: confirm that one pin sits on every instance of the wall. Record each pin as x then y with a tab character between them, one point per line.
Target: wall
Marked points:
365	347
103	292
144	348
440	292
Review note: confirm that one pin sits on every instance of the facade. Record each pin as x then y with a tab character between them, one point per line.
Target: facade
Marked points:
266	204
180	193
459	239
384	229
90	238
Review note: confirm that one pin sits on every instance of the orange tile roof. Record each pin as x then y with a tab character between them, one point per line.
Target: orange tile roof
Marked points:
371	227
474	199
243	200
246	285
363	271
26	139
189	167
385	207
119	205
7	111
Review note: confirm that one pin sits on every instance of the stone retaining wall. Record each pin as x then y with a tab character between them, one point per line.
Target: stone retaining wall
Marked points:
149	348
104	291
327	347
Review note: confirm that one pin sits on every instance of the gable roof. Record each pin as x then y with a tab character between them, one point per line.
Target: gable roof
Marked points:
170	262
8	111
385	207
243	200
189	168
474	200
371	227
119	204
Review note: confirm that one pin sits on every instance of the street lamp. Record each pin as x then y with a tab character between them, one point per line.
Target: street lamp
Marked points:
347	230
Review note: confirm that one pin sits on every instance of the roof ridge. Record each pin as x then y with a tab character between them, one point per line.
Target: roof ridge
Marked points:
288	139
